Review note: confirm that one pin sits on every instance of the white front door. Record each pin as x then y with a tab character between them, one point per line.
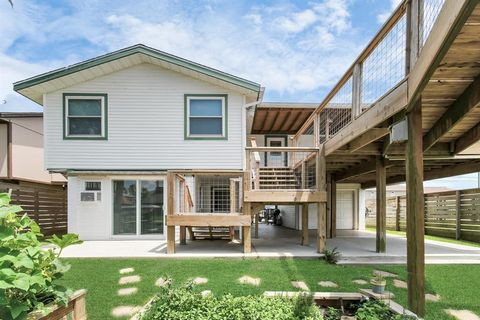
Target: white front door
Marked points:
345	209
276	159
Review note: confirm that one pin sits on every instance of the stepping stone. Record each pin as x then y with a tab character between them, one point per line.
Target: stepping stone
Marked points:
384	274
250	280
399	283
300	285
162	282
462	314
360	281
206	293
328	284
432	297
127	291
129	279
126	270
200	280
125	311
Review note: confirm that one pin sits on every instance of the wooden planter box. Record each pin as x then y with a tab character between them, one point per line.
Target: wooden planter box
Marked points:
74	310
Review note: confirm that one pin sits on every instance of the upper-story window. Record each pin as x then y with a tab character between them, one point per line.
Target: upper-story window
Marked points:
85	116
206	116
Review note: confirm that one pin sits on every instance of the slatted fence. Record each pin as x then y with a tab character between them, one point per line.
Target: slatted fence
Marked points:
450	214
47	205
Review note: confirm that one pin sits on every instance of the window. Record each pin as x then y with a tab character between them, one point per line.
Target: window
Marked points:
206	116
85	116
93	186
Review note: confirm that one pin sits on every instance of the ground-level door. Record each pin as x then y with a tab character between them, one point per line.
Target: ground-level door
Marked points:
345	209
138	207
275	159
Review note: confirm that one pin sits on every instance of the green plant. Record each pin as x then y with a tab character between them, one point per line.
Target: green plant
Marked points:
28	273
378	280
185	302
331	256
332	314
374	310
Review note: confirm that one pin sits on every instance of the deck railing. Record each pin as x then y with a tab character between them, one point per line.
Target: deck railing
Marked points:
380	68
281	168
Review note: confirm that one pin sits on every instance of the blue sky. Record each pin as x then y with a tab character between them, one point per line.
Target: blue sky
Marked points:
296	49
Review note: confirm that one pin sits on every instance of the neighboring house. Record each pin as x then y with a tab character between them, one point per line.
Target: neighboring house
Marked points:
141	134
21	150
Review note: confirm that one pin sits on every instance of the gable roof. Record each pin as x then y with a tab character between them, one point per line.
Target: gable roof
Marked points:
34	87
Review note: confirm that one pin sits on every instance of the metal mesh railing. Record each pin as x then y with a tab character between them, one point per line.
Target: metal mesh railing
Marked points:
385	66
337	114
431	10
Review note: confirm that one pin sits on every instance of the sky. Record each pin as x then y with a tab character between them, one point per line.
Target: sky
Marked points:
297	50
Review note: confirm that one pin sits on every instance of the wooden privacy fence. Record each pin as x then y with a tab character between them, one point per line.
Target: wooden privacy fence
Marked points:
450	214
47	205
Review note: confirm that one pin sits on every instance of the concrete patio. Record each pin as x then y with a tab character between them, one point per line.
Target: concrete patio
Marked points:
356	247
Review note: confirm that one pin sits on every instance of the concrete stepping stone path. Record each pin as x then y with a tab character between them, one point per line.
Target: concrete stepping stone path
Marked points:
327	284
250	280
300	285
200	280
432	297
126	270
162	282
462	314
360	281
399	283
384	274
129	279
127	291
125	311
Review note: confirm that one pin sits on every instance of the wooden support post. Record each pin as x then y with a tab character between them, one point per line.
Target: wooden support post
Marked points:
381	200
246	230
334	208
329	206
191	234
257	216
305	224
170	212
183	235
397	213
458	229
415	212
321	206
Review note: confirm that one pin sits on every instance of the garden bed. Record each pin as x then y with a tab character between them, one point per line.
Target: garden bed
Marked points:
187	302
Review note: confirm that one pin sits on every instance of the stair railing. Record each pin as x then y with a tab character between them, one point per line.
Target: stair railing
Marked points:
255	164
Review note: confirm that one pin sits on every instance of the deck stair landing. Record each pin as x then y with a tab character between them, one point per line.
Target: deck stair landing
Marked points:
278	178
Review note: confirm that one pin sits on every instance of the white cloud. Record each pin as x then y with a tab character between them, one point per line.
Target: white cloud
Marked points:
382	17
293	51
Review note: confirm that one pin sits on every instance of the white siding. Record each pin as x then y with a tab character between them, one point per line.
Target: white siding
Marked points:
145	125
289	216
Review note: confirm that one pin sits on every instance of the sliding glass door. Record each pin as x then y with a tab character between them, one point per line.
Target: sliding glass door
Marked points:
138	207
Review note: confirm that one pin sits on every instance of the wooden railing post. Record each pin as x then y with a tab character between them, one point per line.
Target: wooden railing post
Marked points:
321	206
79	306
356	90
458	226
397	213
170	212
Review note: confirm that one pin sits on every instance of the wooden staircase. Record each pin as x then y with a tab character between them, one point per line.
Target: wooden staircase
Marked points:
210	233
276	178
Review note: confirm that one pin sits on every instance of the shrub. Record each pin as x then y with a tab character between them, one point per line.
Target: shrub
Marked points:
185	303
331	256
28	273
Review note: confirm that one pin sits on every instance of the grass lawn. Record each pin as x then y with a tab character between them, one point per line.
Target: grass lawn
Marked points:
456	284
441	239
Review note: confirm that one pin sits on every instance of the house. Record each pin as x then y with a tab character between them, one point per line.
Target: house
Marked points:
42	194
149	142
21	140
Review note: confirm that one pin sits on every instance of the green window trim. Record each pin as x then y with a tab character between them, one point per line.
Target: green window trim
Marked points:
224	136
104	116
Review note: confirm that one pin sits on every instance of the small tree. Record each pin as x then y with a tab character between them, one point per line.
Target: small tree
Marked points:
29	272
